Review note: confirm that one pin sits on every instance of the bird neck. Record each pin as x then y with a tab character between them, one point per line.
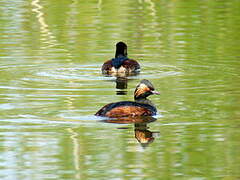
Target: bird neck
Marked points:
121	51
144	101
118	61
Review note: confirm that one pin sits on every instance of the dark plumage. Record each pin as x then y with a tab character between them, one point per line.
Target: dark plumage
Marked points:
121	63
140	107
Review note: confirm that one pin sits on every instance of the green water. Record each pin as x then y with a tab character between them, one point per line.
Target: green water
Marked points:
51	53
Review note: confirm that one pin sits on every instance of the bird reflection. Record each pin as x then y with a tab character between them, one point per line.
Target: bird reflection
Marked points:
121	81
121	85
142	133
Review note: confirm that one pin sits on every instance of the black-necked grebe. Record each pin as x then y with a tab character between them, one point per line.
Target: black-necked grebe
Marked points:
121	64
140	107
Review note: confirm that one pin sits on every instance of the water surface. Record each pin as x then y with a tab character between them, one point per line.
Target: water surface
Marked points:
51	86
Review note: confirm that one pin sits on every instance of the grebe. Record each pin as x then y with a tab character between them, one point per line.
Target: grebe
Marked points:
121	64
140	107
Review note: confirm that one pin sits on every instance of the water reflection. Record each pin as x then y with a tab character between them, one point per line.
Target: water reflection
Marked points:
121	85
47	35
142	133
76	151
122	82
50	59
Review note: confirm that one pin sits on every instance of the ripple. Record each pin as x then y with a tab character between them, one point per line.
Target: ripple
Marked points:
156	71
184	123
6	106
83	72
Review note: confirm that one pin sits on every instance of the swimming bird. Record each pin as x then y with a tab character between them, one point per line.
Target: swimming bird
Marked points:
140	107
121	64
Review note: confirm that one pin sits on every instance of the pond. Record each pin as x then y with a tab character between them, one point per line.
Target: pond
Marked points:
51	54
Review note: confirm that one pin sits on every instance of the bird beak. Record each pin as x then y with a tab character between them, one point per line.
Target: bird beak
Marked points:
155	92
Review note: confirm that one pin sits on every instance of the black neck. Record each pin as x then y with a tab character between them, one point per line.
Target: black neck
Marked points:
144	101
121	51
142	96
